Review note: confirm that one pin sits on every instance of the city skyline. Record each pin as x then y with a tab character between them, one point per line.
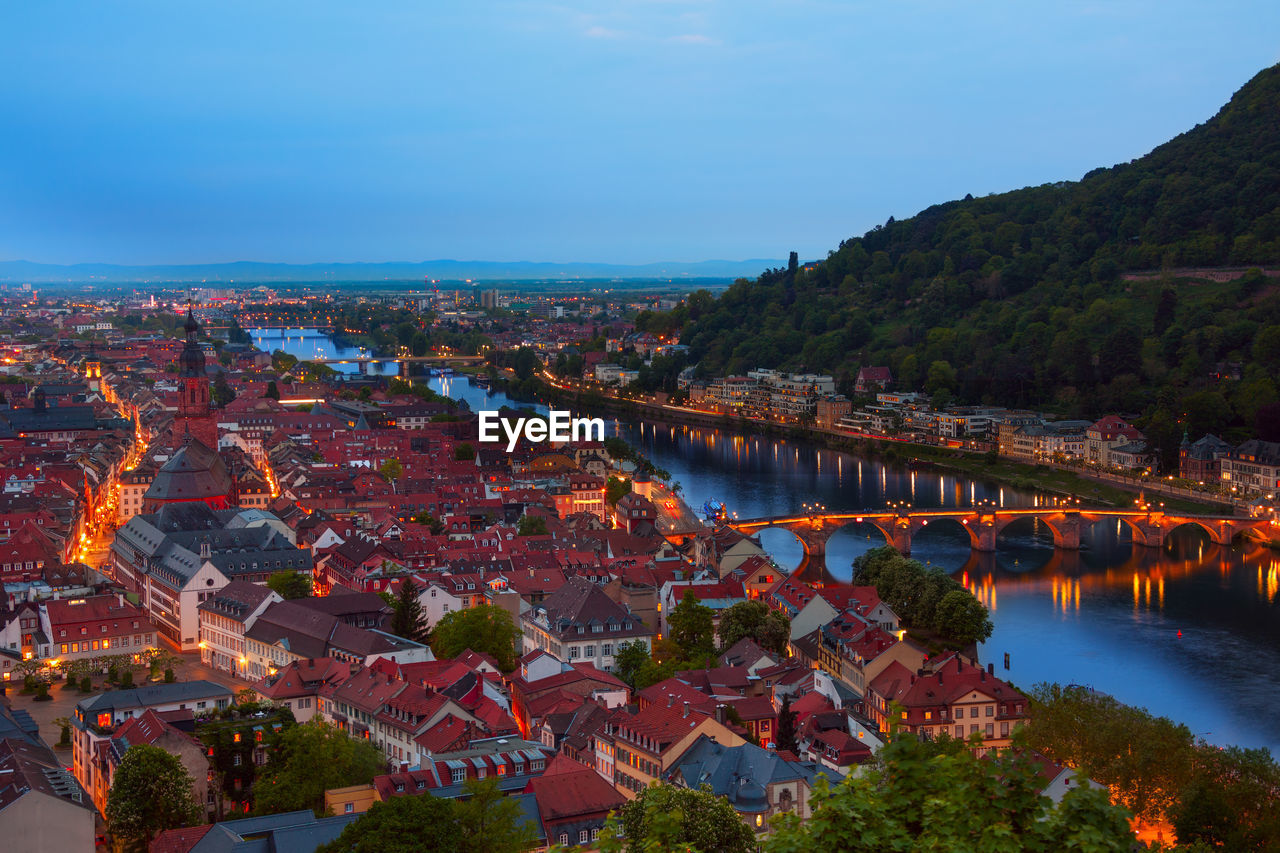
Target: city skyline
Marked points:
646	132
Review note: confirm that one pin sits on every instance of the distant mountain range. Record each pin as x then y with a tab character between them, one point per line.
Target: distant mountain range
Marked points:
448	270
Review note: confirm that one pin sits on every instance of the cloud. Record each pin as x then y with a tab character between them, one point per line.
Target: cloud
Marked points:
694	38
598	32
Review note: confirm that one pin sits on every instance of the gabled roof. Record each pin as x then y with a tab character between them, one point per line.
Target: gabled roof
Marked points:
568	789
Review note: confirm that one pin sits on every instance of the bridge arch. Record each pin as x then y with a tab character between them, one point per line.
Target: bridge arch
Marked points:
848	540
782	537
930	527
1221	534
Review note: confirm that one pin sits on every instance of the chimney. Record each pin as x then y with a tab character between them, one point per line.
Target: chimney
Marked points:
120	599
958	664
685	715
671	700
991	669
722	714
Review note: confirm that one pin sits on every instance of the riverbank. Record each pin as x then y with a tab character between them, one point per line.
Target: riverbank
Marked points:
1054	480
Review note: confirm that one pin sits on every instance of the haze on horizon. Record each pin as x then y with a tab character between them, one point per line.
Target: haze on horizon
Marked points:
629	132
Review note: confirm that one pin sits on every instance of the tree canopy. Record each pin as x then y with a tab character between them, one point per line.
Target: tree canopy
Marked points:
483	820
487	629
754	619
691	627
668	818
926	599
290	585
151	792
921	796
314	757
407	618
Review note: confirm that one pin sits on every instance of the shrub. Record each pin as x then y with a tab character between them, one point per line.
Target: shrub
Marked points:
169	677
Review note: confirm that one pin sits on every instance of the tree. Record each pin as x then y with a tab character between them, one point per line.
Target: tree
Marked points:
491	822
615	489
464	452
1146	761
962	618
416	823
629	659
290	585
668	818
314	757
408	620
1233	801
391	471
222	393
768	628
691	627
531	525
151	792
940	796
487	629
428	520
272	390
787	726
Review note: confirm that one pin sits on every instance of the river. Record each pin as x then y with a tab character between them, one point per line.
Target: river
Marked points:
1190	631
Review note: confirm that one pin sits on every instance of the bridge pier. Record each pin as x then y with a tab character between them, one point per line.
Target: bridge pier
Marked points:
1067	531
900	536
404	369
364	367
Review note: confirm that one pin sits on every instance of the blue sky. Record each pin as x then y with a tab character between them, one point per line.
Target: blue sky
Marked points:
624	131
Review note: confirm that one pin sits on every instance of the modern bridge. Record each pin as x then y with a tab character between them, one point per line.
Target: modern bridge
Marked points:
1150	525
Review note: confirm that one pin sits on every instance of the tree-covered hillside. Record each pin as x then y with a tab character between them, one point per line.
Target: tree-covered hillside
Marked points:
1026	297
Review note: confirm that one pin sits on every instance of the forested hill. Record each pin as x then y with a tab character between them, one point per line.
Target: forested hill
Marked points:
1025	297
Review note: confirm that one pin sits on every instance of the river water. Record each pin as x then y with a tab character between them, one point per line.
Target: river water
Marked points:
1108	616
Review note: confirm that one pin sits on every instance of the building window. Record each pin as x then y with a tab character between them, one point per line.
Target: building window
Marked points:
458	775
564	838
583	836
349	807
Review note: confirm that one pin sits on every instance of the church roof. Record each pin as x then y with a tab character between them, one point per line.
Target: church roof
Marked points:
195	472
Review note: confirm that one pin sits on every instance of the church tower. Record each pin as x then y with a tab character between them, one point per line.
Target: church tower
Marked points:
194	411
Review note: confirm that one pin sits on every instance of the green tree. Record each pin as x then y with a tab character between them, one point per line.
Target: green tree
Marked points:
615	489
691	627
491	822
391	471
962	618
768	628
667	818
531	525
1232	802
928	796
464	452
314	757
428	520
487	629
787	726
408	620
273	391
629	659
222	393
416	823
290	585
1146	761
151	792
282	361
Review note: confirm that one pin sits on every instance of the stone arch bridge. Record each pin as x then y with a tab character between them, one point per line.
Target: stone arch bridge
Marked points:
1150	526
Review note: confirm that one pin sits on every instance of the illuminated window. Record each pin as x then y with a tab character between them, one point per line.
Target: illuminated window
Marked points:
236	737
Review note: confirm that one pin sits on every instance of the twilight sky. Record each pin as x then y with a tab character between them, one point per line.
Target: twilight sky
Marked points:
617	130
